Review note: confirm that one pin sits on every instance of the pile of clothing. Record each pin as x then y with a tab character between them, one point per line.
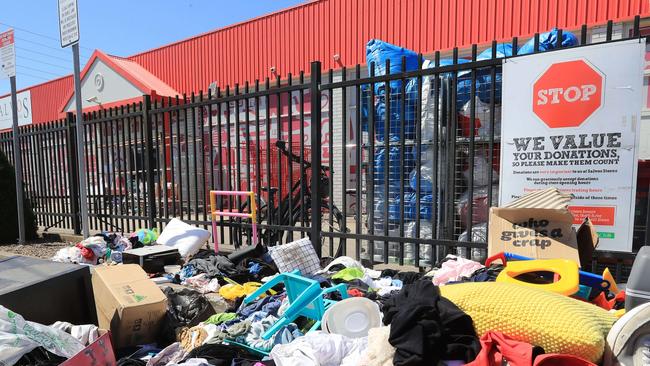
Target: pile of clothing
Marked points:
106	247
217	314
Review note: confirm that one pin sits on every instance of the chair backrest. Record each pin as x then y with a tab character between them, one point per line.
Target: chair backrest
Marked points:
297	285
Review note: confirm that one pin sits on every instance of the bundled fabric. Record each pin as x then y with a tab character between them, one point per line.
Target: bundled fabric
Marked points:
213	265
202	283
426	328
284	335
173	353
86	333
499	349
220	318
455	270
380	352
267	304
485	274
191	338
222	355
233	291
320	349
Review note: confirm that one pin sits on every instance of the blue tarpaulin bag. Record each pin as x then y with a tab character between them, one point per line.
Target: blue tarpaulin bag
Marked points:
548	41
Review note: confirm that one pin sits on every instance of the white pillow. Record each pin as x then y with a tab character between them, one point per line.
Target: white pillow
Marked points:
186	238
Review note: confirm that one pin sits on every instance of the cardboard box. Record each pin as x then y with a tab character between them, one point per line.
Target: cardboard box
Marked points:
100	352
128	303
537	225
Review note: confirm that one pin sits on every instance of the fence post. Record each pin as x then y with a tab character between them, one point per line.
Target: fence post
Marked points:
314	89
73	174
149	163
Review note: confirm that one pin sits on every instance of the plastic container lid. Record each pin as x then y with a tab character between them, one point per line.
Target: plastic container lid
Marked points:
352	317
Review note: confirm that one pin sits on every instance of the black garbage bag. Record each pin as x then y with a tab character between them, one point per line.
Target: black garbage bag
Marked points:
185	308
127	361
40	357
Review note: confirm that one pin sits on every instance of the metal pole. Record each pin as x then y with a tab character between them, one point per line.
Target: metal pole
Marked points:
18	164
315	156
83	201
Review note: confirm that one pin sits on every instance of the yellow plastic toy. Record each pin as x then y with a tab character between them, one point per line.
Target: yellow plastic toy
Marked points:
569	281
607	275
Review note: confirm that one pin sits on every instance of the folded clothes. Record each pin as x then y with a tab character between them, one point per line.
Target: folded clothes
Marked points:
455	270
220	318
268	304
232	291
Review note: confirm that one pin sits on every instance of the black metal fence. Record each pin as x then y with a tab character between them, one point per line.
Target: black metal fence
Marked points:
391	168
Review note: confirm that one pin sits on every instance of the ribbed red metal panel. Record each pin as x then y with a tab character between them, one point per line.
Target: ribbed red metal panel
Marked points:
288	40
48	97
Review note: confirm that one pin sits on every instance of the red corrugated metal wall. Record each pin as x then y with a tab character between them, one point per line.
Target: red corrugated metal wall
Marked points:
318	30
48	97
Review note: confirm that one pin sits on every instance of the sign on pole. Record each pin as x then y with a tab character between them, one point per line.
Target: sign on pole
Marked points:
571	120
8	70
7	54
69	30
68	22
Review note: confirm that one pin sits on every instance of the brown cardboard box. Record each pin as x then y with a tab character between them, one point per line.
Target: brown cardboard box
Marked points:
128	303
537	225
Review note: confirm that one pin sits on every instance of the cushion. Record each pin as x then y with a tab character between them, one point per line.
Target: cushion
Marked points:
186	238
299	254
557	323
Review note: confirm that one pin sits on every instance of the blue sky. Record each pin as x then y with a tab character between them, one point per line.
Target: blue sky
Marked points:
119	27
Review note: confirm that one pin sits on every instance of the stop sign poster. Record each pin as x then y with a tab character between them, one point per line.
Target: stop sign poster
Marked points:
571	121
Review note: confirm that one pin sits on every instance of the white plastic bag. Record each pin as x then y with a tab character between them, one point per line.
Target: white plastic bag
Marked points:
482	119
481	169
68	255
18	337
186	238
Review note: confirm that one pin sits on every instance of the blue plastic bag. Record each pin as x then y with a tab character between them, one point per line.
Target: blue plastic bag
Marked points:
548	41
410	207
378	51
503	50
396	118
395	174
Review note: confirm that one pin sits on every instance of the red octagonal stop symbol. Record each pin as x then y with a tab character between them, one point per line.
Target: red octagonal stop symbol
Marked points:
567	93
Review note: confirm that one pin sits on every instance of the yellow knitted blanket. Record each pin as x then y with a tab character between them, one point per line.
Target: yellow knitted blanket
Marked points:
555	322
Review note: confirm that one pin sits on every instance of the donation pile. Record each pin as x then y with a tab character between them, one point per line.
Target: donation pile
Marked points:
283	305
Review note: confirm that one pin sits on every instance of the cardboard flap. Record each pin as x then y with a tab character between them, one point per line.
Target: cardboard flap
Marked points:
550	198
536	218
537	225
